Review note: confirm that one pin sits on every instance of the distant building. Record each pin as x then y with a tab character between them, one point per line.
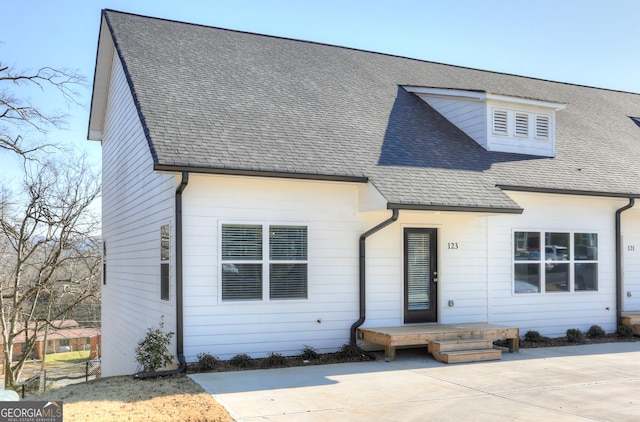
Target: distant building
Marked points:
68	337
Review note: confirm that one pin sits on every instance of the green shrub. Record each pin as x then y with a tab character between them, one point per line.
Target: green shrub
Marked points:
533	336
241	361
350	351
624	331
152	352
274	360
595	331
574	335
309	353
207	362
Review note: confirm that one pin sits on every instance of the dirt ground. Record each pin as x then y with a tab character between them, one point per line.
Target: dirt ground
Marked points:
175	398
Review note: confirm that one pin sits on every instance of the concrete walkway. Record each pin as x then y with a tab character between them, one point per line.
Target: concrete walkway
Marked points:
576	383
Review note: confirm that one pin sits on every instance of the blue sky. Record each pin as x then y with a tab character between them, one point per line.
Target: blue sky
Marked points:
587	42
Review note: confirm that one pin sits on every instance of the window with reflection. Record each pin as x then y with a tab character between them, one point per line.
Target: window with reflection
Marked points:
554	262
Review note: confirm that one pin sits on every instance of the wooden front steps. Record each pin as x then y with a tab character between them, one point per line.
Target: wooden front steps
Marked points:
461	351
425	334
632	319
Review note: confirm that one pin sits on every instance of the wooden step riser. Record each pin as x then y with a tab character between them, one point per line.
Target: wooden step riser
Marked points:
631	320
468	356
452	346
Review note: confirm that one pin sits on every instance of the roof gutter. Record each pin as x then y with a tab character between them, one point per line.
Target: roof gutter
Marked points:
567	191
619	259
179	299
261	173
363	284
447	208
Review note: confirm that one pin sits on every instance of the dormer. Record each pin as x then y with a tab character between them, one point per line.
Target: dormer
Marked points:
497	122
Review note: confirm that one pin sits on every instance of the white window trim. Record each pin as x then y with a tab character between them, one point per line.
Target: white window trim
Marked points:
265	261
572	261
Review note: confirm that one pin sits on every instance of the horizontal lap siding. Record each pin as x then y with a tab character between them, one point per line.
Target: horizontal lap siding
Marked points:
258	328
553	313
461	272
467	115
631	259
136	202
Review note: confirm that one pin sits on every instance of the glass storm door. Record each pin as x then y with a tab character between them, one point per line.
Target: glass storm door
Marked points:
420	275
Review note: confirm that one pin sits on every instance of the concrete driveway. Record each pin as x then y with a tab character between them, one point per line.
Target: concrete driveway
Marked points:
577	383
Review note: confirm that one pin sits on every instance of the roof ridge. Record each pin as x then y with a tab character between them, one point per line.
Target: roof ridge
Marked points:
367	51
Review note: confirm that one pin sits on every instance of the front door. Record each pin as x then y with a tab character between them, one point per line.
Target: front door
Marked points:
420	275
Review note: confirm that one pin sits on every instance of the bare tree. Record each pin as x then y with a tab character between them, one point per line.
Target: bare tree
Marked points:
17	114
49	251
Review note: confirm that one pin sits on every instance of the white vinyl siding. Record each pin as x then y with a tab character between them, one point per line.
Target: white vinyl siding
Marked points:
135	203
631	259
283	321
467	115
553	313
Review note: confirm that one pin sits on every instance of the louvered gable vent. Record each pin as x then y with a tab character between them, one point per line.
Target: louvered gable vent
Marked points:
522	124
499	123
542	127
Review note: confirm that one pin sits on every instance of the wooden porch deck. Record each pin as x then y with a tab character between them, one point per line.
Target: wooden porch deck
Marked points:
423	334
632	319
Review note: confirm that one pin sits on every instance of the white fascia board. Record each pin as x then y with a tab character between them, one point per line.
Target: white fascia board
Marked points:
101	81
481	96
444	92
526	101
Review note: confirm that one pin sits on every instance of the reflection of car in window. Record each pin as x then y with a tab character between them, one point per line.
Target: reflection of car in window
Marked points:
556	253
525	287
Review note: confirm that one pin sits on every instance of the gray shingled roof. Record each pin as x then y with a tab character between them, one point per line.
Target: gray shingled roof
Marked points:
223	100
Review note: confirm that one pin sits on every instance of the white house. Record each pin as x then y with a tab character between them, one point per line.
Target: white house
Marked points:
265	194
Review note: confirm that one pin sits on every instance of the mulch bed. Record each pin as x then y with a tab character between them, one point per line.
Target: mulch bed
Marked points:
357	355
562	341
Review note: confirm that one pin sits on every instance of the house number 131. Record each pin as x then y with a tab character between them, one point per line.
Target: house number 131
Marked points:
453	245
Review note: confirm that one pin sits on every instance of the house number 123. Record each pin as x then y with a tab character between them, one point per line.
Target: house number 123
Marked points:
453	245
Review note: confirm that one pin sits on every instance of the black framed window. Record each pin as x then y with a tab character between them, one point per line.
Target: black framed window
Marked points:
165	254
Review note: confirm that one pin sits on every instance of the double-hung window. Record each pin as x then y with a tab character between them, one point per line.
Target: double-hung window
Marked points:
550	262
263	262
